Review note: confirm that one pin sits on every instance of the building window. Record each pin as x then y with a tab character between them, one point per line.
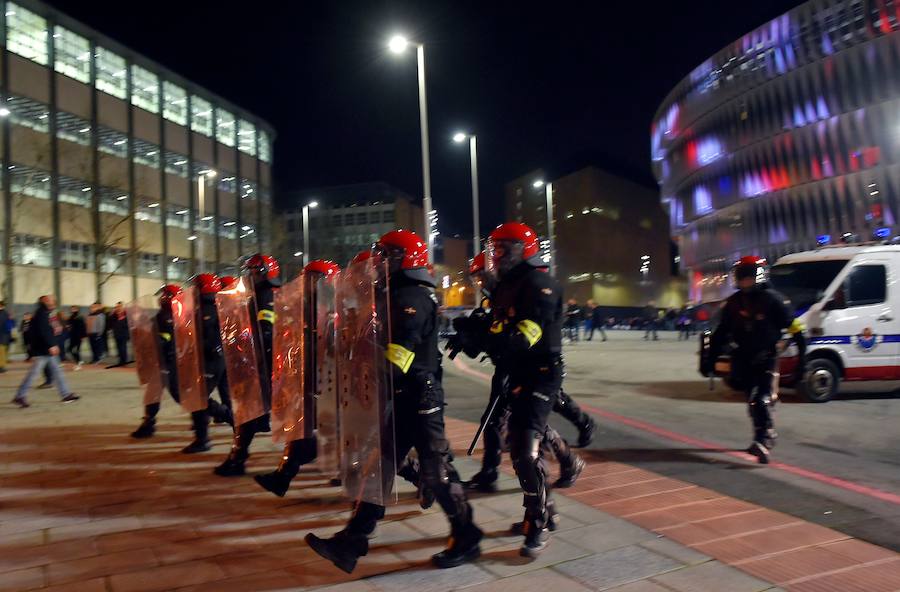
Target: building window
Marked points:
74	191
247	230
113	201
114	261
148	212
178	216
176	164
265	148
228	229
144	89
28	113
225	127
73	54
361	218
146	153
201	116
26	34
74	255
111	73
32	250
248	189
200	168
112	142
149	264
206	224
388	217
246	137
228	184
175	105
178	268
29	181
73	128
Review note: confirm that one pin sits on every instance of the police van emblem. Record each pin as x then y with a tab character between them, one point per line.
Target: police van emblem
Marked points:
867	340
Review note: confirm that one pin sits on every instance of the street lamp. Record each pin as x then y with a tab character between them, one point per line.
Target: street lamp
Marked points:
305	253
201	206
548	194
398	45
459	138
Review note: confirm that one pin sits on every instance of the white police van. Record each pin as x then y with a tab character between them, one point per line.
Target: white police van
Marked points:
848	297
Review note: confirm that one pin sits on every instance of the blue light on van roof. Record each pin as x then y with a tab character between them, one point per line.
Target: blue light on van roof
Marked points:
823	240
882	233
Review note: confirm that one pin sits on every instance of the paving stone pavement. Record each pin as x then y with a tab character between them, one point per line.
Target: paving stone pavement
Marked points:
83	508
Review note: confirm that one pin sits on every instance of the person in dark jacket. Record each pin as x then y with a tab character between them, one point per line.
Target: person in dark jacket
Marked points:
77	333
596	320
45	330
651	321
118	324
96	332
573	320
6	325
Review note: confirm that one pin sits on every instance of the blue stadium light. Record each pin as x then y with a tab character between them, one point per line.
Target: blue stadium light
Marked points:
823	240
882	233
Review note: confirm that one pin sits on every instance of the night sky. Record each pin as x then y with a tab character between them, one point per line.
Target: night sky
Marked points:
543	84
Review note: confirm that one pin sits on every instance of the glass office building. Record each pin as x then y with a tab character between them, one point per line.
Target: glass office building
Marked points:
789	134
103	153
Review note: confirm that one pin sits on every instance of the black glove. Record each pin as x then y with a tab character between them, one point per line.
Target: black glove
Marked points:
707	368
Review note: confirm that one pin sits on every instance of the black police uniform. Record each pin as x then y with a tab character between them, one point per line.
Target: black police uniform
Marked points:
754	320
165	334
418	407
262	308
214	360
528	312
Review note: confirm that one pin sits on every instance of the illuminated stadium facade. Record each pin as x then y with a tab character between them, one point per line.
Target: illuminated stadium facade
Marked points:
790	133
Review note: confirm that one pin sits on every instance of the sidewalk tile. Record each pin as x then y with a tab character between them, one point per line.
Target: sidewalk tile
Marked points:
428	579
22	579
92	585
641	586
93	529
23	557
100	565
167	577
676	551
775	540
610	535
795	565
711	576
878	578
859	550
618	566
147	537
535	581
505	561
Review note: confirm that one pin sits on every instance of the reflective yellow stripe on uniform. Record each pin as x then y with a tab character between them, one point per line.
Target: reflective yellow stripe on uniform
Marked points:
166	336
531	330
796	327
266	315
497	326
399	356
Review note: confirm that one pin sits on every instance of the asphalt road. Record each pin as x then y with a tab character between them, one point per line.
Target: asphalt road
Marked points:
836	463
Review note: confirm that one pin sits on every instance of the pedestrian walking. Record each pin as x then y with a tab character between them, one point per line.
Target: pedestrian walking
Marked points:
96	332
118	324
6	327
651	321
573	320
44	332
596	321
77	333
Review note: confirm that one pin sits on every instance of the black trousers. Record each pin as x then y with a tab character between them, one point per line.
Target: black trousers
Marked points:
419	424
199	419
755	374
122	349
96	342
74	349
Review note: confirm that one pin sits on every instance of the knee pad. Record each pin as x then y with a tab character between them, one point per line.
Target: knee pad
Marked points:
433	471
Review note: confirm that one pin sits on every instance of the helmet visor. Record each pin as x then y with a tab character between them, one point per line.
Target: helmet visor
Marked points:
502	255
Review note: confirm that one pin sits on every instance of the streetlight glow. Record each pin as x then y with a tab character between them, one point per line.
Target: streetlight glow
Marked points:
4	112
459	137
312	204
398	44
538	184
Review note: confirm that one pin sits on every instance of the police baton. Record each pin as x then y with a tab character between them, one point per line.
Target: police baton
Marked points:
485	419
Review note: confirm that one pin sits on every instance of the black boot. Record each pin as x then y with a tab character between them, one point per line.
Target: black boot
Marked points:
343	549
296	454
483	481
148	426
569	474
586	432
200	420
233	466
552	521
196	446
463	546
537	536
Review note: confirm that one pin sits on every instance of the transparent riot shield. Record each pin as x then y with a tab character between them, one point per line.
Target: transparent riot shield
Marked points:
289	421
238	343
189	350
141	316
364	381
324	363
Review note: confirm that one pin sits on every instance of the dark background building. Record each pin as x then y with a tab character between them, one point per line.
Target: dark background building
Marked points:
612	236
788	134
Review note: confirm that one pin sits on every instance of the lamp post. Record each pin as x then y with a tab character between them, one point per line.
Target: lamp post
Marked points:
548	194
306	208
459	138
398	44
201	206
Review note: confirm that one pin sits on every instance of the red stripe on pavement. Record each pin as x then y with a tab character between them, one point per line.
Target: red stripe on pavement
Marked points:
705	445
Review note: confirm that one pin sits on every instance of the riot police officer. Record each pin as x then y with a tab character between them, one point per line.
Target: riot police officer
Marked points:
571	465
166	346
753	318
209	285
302	450
527	325
264	273
418	409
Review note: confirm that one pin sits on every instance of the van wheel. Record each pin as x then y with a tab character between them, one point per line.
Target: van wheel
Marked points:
820	380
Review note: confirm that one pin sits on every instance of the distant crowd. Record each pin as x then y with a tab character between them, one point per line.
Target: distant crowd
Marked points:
582	322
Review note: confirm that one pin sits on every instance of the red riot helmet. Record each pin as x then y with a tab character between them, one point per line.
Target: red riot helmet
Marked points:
167	293
227	281
476	265
405	253
207	283
322	266
511	244
750	266
263	267
361	256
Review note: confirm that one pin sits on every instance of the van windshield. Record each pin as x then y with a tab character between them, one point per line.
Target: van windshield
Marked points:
804	283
